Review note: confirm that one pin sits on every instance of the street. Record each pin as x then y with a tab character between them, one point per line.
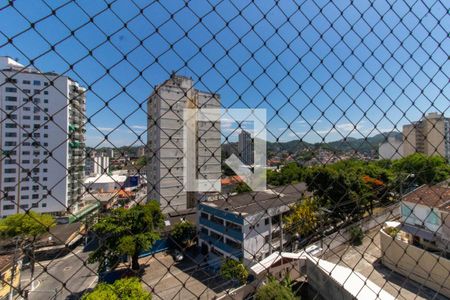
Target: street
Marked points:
64	277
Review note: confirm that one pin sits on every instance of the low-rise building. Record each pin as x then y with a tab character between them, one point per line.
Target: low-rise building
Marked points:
425	217
246	226
105	183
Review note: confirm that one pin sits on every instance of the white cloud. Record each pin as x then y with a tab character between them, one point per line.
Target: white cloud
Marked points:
139	127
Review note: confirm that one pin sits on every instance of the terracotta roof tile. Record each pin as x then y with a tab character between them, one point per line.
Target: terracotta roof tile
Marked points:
432	196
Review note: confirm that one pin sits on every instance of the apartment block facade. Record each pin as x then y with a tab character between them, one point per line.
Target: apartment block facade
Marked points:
42	140
165	172
245	147
430	136
97	164
248	226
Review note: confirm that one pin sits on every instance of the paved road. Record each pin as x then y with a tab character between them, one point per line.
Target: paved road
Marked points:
64	277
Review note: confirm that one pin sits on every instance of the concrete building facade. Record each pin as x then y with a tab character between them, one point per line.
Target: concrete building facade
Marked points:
96	164
246	226
392	148
430	136
425	216
42	139
245	147
165	173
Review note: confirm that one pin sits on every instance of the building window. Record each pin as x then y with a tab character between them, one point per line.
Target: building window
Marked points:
11	98
24	206
10	171
10	125
44	204
26	82
26	108
36	82
26	91
27	117
10	143
24	188
10	189
10	107
35	205
45	100
24	197
37	92
432	218
35	196
11	134
11	90
45	93
8	207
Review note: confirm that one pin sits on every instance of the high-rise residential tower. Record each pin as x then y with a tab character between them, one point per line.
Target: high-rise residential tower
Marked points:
165	170
245	147
42	140
430	136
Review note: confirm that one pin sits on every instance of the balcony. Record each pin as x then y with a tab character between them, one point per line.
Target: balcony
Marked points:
221	245
222	229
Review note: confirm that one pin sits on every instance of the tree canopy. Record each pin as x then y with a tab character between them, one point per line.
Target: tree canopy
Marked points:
183	233
303	218
127	232
234	270
274	290
122	289
426	169
26	226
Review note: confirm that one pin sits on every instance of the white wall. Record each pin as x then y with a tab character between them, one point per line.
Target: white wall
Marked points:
419	216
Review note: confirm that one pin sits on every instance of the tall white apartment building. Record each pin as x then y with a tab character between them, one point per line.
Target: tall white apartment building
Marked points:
42	139
245	147
430	136
165	172
96	164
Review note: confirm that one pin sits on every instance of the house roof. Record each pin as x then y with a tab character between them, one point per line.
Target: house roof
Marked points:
429	195
355	283
265	264
254	202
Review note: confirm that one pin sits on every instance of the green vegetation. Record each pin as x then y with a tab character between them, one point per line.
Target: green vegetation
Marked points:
183	234
274	290
290	173
392	231
242	187
26	228
426	170
127	232
356	235
303	218
349	189
141	162
234	270
122	289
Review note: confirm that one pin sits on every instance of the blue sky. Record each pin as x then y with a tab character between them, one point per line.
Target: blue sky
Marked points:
328	74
